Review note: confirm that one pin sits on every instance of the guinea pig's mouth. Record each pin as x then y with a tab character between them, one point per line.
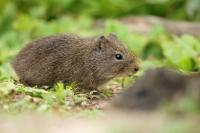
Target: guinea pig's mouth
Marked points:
123	72
129	75
131	72
126	73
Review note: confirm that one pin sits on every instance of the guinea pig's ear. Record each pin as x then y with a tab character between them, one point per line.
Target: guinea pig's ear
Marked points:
113	36
101	43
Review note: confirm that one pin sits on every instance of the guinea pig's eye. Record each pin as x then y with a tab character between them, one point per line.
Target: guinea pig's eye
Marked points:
118	56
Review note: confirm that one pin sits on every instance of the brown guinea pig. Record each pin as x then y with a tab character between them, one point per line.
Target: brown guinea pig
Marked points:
89	61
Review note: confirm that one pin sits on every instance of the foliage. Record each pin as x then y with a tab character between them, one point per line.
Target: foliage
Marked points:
59	99
51	9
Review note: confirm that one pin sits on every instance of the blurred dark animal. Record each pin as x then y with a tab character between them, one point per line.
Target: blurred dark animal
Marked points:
158	86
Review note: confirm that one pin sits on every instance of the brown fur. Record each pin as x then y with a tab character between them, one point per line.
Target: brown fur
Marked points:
90	62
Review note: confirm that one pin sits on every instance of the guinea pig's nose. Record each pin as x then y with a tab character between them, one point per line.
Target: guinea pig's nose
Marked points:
136	69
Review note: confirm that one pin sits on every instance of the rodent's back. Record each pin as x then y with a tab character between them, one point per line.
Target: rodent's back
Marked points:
37	63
